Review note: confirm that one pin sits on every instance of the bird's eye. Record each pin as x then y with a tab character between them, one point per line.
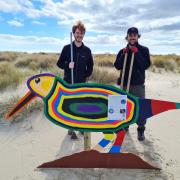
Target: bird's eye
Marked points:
37	80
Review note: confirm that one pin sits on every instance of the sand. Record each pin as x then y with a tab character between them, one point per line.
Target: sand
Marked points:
27	144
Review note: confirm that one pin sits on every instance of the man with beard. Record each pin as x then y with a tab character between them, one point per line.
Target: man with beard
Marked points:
82	64
141	63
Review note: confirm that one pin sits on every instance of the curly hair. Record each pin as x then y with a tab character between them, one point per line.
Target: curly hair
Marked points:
79	25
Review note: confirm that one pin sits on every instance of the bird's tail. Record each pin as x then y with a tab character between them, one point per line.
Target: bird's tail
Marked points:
151	107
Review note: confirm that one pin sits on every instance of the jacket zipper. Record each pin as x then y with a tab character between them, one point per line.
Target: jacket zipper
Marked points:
77	66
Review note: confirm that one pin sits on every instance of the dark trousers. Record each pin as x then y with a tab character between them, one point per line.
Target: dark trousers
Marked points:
139	91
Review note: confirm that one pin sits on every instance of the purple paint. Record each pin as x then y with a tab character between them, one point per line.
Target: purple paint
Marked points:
89	108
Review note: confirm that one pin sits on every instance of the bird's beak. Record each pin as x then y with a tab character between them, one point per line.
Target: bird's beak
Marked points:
21	104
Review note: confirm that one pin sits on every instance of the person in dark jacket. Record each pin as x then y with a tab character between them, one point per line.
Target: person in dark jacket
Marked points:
141	63
82	64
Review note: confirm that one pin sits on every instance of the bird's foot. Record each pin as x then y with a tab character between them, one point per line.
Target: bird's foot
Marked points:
74	136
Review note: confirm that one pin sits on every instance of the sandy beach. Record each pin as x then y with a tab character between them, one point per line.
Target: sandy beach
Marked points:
27	144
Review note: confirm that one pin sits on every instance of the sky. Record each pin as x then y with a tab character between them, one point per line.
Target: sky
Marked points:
45	25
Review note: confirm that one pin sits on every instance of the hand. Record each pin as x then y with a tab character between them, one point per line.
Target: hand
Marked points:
134	49
71	65
125	50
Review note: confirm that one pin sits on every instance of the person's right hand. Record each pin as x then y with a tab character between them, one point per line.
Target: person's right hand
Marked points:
71	65
125	50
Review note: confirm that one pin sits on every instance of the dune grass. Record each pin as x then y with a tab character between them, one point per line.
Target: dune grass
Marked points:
103	75
9	75
14	66
166	62
45	61
12	76
36	61
104	60
34	106
9	56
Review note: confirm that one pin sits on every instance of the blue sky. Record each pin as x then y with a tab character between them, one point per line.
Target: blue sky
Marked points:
44	25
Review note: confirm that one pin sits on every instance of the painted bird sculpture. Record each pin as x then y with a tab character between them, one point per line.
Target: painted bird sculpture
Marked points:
84	107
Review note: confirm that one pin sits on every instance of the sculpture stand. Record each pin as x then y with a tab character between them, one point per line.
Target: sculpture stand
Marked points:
94	159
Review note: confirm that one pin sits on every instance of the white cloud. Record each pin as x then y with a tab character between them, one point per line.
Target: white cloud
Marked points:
30	39
157	23
14	6
15	23
9	6
38	23
31	43
101	15
157	20
104	40
99	43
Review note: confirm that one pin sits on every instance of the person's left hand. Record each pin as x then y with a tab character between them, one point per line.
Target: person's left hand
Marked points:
134	49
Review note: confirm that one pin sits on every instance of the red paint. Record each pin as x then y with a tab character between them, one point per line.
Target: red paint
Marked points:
71	120
119	138
129	105
161	106
87	90
94	159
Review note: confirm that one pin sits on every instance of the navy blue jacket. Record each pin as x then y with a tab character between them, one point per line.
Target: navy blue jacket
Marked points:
83	63
141	63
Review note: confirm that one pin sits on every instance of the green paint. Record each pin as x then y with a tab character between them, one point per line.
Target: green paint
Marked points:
177	105
94	85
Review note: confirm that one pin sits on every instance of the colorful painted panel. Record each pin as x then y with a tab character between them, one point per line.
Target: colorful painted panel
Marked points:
85	106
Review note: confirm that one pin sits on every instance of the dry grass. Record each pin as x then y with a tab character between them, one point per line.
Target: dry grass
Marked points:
106	60
104	75
32	107
166	62
45	61
9	75
12	76
36	61
9	56
14	66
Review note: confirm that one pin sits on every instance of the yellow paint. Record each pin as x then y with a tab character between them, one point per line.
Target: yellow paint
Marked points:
109	137
60	110
44	86
83	125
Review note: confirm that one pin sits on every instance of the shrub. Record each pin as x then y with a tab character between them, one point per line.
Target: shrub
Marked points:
9	75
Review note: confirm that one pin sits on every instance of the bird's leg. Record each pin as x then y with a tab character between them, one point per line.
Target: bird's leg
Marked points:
108	137
116	147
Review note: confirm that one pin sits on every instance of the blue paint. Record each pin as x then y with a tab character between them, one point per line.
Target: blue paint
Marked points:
111	111
104	142
115	149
